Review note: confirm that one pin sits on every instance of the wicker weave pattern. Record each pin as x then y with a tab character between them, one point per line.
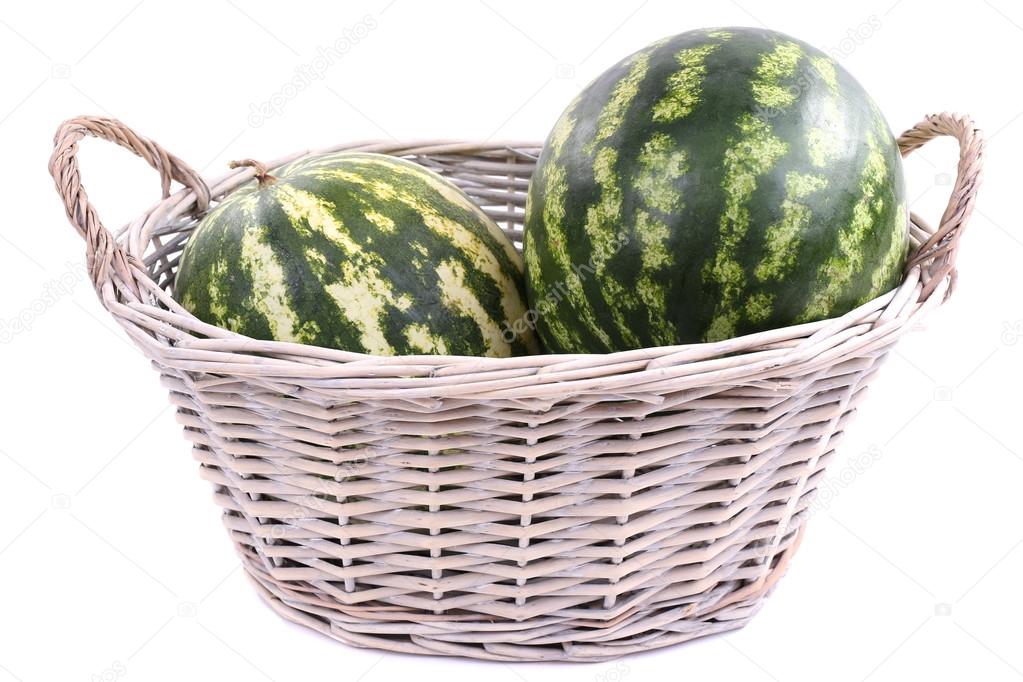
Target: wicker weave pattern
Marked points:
555	507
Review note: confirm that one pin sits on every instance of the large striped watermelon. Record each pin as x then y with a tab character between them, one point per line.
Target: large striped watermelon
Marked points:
716	183
361	252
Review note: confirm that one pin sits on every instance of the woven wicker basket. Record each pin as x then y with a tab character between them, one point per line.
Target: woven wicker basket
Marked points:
552	507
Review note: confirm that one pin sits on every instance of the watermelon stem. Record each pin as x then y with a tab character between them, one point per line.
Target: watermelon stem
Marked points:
263	176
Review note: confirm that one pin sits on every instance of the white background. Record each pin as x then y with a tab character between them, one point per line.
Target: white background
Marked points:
113	562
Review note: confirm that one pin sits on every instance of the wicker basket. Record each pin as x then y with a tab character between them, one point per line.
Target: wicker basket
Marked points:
552	507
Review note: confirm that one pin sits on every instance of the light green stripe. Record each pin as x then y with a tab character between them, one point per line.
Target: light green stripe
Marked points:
603	220
834	275
569	287
457	295
219	296
824	141
270	289
774	67
894	257
827	70
759	307
751	154
603	217
562	130
661	164
782	237
423	341
613	113
652	295
684	85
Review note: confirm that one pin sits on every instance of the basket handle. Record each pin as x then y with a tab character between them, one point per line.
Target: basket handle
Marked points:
942	248
101	248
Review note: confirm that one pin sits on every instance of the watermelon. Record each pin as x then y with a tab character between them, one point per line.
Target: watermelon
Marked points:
716	183
360	252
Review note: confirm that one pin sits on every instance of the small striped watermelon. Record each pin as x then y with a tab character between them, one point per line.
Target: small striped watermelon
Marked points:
716	183
360	252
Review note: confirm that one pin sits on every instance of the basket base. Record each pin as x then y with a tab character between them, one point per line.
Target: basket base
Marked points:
540	639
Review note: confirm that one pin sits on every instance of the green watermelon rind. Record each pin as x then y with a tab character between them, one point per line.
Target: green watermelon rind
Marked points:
714	184
360	252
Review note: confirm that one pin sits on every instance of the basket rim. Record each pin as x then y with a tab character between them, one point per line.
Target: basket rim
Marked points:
169	333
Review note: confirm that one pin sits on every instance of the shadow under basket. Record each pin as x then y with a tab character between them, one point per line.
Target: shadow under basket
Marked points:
551	507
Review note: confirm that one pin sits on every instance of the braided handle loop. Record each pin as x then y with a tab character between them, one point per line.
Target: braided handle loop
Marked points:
942	248
102	251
